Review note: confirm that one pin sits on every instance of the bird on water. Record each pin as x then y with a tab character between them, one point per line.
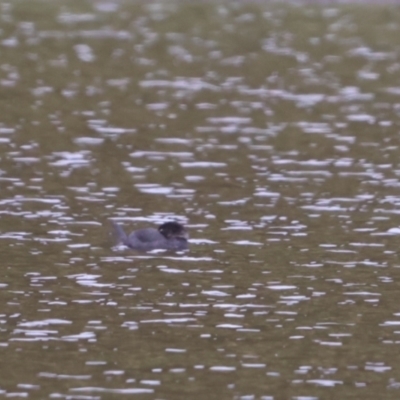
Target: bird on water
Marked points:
168	236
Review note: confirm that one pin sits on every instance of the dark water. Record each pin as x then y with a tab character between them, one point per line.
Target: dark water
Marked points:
271	131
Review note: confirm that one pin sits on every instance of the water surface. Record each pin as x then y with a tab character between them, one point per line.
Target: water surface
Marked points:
271	131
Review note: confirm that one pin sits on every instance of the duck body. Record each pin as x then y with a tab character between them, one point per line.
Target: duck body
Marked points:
168	236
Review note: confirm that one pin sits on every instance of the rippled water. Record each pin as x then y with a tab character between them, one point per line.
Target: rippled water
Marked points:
271	131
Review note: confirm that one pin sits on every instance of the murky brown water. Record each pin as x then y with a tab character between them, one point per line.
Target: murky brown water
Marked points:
270	131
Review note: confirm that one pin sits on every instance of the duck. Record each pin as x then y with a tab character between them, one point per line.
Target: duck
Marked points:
168	236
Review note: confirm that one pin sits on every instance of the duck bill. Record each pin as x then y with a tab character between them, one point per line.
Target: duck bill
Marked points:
184	235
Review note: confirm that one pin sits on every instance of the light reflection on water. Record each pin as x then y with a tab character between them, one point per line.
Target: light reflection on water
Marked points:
269	131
